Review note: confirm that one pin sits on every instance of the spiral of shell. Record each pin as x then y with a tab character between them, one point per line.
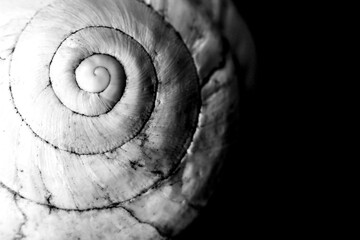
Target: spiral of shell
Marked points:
115	114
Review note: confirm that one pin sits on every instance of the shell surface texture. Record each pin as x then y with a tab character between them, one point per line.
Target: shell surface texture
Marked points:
115	115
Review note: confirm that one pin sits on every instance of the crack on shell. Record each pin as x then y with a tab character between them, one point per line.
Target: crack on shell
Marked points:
48	193
155	186
20	235
135	165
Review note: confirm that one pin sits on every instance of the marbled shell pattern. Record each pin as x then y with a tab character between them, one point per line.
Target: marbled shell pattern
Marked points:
132	154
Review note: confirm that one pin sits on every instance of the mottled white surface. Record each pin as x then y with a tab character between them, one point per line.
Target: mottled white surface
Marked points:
21	219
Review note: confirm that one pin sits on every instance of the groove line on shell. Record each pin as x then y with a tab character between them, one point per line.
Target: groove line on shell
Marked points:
17	197
167	23
192	125
83	59
96	116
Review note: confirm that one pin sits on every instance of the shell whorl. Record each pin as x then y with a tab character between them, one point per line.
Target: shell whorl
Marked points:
101	73
115	115
141	109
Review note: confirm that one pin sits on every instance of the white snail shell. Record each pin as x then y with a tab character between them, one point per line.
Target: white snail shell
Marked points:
114	114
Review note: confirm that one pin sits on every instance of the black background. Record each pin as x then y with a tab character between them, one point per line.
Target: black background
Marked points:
250	198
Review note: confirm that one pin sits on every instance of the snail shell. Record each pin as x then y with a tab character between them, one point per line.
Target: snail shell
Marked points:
115	114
